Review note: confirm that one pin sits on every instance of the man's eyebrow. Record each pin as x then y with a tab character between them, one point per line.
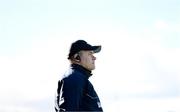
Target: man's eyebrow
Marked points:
90	52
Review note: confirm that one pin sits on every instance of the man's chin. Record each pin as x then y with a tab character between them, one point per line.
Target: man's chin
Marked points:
93	68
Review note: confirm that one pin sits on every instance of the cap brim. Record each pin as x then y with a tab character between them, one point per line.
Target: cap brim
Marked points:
96	49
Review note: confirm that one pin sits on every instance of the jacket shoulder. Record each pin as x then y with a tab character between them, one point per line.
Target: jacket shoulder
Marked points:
75	78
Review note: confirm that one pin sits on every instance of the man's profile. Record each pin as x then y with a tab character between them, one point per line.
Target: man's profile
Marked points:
75	92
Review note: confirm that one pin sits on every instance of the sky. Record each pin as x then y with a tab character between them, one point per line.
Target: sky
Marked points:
138	68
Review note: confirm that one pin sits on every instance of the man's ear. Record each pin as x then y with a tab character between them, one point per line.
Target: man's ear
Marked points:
77	58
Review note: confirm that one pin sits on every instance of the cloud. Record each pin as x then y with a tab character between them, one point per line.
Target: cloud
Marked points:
161	25
129	66
23	105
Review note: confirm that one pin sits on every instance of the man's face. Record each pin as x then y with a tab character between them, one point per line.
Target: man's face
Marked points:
88	60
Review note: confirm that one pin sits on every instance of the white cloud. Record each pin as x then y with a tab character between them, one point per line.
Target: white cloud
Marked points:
128	66
145	105
161	25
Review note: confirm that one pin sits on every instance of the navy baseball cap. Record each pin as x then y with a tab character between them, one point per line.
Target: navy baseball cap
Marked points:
82	45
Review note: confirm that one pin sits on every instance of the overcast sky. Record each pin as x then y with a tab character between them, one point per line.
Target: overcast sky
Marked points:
137	70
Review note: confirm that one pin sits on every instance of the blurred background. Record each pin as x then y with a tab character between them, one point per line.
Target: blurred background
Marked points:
137	70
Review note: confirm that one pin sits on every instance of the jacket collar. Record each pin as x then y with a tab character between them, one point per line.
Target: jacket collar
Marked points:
80	68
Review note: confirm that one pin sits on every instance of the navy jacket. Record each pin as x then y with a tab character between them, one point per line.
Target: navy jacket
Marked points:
76	93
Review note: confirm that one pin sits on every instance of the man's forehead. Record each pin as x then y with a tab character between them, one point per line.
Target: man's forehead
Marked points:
88	51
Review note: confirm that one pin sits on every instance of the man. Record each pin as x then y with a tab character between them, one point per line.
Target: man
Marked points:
75	92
